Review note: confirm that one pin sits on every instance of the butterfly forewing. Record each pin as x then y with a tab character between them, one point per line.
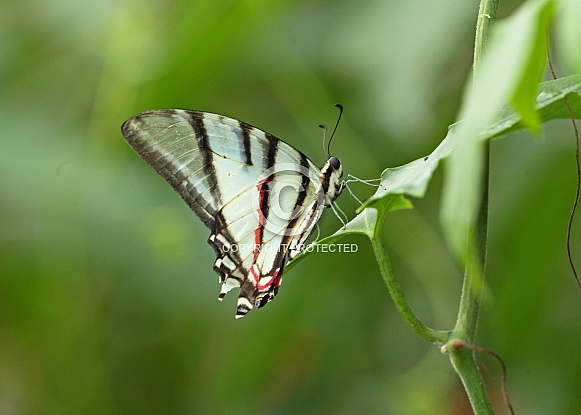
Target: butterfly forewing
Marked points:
258	196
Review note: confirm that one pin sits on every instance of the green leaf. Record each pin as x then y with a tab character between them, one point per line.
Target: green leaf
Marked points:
365	223
503	77
531	24
413	178
549	105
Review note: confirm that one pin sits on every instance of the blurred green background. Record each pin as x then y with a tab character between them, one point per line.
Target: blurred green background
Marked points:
107	294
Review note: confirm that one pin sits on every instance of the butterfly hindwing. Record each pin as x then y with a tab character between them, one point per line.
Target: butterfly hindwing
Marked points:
259	196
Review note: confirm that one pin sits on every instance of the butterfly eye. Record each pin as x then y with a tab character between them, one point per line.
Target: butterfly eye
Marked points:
335	163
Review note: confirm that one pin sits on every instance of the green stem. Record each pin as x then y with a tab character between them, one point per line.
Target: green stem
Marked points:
467	321
417	326
486	16
465	365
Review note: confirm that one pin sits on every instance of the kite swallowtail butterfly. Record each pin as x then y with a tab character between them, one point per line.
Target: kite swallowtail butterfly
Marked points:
260	197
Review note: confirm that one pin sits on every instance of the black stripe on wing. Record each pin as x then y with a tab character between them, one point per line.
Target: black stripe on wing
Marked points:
270	152
289	235
222	242
294	223
246	142
133	131
251	295
197	123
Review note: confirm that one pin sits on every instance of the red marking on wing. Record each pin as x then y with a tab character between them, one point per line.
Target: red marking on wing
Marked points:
265	284
254	274
258	241
257	231
277	279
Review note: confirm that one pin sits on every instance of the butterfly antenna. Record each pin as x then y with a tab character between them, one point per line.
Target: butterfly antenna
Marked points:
334	129
324	127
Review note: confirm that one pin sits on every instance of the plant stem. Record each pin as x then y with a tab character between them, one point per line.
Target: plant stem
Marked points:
486	16
417	326
474	277
465	365
467	321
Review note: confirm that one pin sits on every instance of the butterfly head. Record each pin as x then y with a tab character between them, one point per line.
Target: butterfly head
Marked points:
335	164
331	173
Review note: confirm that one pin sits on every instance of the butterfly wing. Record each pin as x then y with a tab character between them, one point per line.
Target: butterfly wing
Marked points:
258	196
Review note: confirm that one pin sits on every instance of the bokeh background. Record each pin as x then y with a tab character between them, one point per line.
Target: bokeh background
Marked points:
107	294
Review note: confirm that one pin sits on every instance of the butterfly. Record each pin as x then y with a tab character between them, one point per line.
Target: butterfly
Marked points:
259	196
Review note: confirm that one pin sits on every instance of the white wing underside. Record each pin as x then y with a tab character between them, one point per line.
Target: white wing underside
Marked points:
260	197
